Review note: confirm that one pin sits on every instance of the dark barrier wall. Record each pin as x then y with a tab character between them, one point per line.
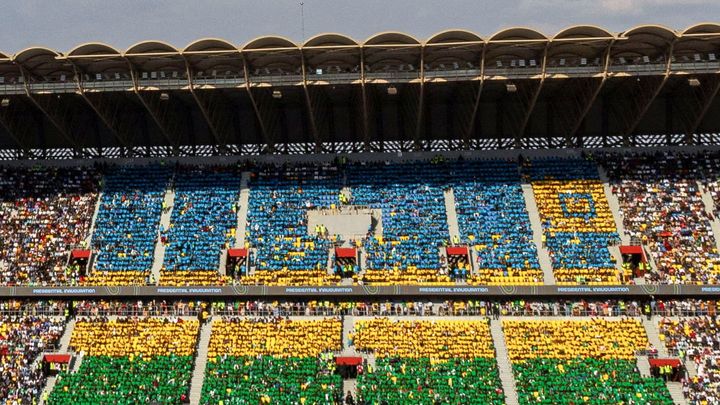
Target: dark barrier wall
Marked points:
360	291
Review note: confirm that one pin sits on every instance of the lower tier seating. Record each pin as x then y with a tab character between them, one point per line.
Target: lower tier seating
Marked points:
587	381
270	380
125	380
580	361
22	339
280	361
129	361
698	338
423	362
422	381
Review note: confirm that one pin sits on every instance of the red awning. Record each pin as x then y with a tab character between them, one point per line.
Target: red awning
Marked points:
345	253
80	254
634	250
631	250
664	362
457	251
57	358
348	361
237	252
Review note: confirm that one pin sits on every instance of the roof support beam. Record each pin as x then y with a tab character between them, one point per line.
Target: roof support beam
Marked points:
536	94
151	106
259	110
309	103
708	96
213	108
591	100
421	102
467	134
56	117
365	107
107	112
644	106
18	130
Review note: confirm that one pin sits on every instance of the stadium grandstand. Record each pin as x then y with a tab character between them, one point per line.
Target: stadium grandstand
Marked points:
519	218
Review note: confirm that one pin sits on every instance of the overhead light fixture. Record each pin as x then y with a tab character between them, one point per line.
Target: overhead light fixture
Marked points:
694	82
164	96
5	102
511	88
392	90
277	94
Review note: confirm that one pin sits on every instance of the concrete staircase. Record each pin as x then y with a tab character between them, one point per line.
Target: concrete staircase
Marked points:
159	257
651	330
49	386
504	366
691	367
676	393
710	209
453	227
614	204
243	205
643	365
65	338
200	362
91	231
535	224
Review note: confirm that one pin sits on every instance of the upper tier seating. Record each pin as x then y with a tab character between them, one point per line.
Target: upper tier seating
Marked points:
578	225
277	220
278	361
414	222
699	340
203	219
422	362
662	206
128	361
128	220
45	212
592	361
22	339
493	221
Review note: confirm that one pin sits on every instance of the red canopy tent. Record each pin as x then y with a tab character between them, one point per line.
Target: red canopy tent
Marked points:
77	254
242	252
57	358
457	250
342	253
634	250
348	361
664	362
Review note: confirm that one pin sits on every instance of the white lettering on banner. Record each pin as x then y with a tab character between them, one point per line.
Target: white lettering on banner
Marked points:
592	289
189	290
465	290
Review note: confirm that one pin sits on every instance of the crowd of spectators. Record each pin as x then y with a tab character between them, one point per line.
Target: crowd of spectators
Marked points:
45	212
494	222
129	360
578	226
272	360
22	339
277	225
427	361
128	222
204	217
698	339
588	360
414	220
137	308
662	206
